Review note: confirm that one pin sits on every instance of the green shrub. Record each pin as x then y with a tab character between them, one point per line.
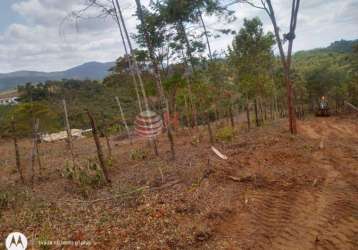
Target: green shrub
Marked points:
195	140
225	134
89	175
4	200
139	154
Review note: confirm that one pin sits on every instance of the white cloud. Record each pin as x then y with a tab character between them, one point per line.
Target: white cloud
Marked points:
320	22
45	42
40	42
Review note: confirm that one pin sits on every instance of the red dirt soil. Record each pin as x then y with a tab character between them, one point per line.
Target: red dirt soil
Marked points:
276	191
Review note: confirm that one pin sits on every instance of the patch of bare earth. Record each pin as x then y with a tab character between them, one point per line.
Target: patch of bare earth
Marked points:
276	191
309	199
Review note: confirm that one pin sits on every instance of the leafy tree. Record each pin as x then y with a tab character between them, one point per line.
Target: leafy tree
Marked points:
352	85
24	114
154	60
325	73
286	57
251	57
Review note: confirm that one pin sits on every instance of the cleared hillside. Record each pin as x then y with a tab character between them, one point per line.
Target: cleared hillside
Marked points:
275	191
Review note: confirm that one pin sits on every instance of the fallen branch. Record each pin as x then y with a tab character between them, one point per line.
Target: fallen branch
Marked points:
242	179
217	152
169	184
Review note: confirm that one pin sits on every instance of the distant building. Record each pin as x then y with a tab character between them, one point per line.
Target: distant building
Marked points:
9	101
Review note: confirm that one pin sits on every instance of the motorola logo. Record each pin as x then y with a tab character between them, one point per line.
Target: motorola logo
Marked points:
16	241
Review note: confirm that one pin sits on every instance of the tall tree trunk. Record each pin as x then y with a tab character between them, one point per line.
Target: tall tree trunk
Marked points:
194	120
135	63
167	69
100	154
217	113
160	90
193	110
128	60
231	114
302	111
265	111
187	112
208	122
261	111
206	35
123	119
276	116
286	60
105	134
187	44
136	67
256	113
17	152
248	114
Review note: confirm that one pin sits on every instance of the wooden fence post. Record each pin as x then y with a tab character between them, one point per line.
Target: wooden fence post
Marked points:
104	132
101	159
16	147
248	114
209	129
35	150
38	153
37	147
256	113
69	133
231	114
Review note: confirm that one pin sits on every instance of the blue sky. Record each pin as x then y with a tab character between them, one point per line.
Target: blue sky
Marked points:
7	15
32	37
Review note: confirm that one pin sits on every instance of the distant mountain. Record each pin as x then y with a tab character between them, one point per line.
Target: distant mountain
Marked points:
90	70
342	46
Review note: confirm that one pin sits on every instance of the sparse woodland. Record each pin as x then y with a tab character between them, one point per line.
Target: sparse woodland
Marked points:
254	102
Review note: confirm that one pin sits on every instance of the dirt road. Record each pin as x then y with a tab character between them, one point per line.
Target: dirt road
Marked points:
318	213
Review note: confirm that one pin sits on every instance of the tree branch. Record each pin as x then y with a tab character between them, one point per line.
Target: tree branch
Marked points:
252	4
